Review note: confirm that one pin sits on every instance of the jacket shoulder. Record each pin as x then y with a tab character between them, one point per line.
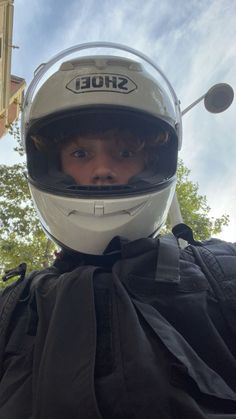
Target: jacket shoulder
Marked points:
221	257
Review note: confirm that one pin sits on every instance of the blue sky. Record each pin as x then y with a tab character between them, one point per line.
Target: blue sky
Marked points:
194	42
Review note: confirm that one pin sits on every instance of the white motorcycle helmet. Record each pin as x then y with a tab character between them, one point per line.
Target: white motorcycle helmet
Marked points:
100	91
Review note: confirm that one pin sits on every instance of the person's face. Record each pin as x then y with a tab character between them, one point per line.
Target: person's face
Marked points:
98	160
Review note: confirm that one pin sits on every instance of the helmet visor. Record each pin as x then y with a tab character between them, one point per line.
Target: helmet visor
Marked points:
101	152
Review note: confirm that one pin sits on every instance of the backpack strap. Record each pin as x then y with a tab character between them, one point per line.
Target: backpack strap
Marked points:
168	259
9	298
183	232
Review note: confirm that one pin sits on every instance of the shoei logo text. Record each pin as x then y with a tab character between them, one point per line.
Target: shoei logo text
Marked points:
101	82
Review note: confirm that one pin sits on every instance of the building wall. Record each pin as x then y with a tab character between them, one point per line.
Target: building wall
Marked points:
11	87
16	98
6	25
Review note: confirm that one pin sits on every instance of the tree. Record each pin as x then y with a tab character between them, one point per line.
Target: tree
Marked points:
21	235
194	207
22	238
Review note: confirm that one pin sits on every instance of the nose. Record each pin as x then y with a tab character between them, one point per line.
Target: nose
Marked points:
104	173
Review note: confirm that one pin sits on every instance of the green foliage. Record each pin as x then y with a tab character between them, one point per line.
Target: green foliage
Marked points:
21	235
194	207
14	130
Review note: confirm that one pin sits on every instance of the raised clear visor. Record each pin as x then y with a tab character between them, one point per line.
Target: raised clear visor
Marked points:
44	68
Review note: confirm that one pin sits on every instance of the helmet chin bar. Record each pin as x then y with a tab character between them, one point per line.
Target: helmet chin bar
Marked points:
88	225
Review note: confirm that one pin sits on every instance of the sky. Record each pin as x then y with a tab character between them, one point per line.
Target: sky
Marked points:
194	43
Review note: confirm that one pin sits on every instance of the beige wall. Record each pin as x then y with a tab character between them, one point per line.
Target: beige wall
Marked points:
6	24
11	87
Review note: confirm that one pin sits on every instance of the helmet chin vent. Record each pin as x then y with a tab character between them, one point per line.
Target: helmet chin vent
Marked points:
101	188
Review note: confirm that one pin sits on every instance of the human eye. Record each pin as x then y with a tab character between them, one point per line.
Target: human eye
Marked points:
126	153
80	153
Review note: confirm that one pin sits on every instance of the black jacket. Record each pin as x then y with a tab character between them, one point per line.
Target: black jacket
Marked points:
143	338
